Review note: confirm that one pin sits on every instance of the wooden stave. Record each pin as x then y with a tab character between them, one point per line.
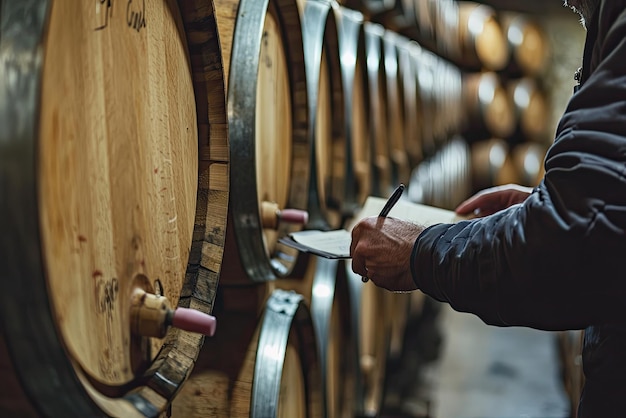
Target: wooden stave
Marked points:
56	369
331	194
245	248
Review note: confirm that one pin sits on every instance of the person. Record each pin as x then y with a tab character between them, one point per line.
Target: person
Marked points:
552	257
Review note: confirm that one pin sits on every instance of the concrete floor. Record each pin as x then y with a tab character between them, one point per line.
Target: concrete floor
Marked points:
488	372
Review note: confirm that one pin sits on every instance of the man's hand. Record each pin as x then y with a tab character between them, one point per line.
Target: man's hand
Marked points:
493	199
381	250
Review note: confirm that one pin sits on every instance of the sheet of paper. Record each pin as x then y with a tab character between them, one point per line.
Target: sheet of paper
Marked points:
408	211
336	244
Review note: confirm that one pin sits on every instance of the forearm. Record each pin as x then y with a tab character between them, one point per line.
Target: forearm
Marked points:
528	265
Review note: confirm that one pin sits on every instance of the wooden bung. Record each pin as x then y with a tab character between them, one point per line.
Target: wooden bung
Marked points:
131	190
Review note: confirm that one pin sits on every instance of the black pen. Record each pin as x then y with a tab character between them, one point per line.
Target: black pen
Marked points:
391	202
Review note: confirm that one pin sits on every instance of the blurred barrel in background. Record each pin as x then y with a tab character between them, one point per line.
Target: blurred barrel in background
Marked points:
489	111
483	43
528	45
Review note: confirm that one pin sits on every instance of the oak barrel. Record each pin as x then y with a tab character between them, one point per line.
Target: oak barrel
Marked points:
492	164
483	44
425	65
372	333
489	112
113	183
530	105
528	158
357	101
378	132
324	285
263	365
268	134
413	120
528	44
396	110
332	186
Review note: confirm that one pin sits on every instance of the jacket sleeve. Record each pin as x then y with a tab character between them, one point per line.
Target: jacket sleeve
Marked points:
557	261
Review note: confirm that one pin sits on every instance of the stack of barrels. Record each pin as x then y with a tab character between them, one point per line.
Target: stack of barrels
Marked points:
502	56
152	155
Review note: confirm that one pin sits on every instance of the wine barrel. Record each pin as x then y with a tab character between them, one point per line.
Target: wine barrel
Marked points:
445	179
413	120
396	111
483	43
528	44
528	160
492	164
357	103
324	284
531	109
377	7
257	367
425	64
400	17
331	188
447	107
489	112
379	138
447	29
268	135
372	332
114	195
425	22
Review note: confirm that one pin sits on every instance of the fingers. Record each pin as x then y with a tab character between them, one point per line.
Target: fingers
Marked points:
468	206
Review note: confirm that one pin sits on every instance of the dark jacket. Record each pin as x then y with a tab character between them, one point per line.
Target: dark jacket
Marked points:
557	261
